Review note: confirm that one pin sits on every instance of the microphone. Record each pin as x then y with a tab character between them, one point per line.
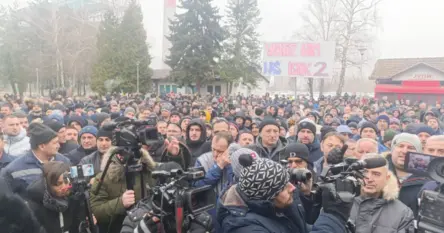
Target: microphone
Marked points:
369	163
336	156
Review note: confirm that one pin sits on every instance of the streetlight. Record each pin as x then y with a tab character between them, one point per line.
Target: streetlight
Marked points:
361	51
138	63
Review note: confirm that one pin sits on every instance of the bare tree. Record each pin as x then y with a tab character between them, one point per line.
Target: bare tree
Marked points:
348	22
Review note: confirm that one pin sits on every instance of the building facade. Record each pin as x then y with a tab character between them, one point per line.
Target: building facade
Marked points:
416	79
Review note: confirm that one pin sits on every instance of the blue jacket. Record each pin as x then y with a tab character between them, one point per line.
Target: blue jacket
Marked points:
236	215
24	170
315	151
6	159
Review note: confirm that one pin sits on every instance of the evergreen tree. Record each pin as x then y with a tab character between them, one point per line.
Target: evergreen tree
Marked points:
134	51
196	38
107	66
242	47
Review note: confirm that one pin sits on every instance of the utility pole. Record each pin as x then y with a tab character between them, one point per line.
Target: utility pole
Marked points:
361	51
138	76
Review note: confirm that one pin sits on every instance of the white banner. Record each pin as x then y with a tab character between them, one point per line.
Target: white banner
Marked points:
299	59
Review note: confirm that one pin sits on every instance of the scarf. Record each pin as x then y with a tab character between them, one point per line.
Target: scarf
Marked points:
54	203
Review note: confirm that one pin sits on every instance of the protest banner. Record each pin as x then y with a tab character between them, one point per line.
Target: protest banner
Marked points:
299	59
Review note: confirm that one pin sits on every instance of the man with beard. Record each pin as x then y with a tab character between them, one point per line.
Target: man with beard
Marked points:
195	139
65	146
104	138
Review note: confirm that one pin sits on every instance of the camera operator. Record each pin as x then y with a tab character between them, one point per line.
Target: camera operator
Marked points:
297	155
110	204
49	199
262	201
378	209
140	219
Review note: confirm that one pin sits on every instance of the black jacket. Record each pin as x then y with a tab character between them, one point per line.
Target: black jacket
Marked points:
201	146
50	219
78	154
67	147
15	216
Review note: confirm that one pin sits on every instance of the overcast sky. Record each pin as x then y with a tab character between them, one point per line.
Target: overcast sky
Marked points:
410	28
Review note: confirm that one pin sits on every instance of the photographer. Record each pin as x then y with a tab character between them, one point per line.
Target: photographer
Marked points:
109	205
49	199
262	202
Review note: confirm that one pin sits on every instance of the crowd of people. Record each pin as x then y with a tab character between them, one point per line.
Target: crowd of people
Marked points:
241	142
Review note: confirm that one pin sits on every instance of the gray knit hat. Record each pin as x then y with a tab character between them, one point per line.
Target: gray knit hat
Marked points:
40	134
409	138
234	157
129	109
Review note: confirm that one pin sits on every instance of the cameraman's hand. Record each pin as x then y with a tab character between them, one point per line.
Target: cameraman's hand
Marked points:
172	145
128	198
306	187
223	160
332	203
148	224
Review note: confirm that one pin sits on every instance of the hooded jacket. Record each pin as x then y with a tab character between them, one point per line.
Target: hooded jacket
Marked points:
277	154
409	188
198	147
237	214
107	204
17	145
385	214
315	151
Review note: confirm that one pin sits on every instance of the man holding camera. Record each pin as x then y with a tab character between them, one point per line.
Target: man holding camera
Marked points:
263	202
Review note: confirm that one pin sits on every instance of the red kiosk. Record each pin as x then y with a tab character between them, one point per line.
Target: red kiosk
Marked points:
410	78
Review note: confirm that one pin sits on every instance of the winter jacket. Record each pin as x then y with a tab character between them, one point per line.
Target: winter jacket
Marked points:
50	219
78	154
183	158
277	154
385	214
17	145
6	159
67	147
25	170
15	215
410	188
236	214
315	151
95	159
107	204
201	146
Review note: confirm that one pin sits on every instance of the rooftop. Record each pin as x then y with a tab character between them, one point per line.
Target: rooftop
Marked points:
387	68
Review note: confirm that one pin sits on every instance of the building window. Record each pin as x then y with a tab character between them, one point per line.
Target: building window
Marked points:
217	90
210	89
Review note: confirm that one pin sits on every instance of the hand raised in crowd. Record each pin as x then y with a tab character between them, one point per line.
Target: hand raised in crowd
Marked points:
223	159
306	187
128	198
172	145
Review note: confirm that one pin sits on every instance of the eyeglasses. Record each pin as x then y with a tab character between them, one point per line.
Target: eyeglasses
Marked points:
296	161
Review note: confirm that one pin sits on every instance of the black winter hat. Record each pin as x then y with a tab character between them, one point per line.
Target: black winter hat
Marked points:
268	121
40	134
105	133
307	125
54	125
368	124
298	150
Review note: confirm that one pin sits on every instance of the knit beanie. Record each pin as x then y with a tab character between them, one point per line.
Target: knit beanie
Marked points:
383	117
100	117
234	157
425	129
325	130
54	125
261	179
74	118
88	129
307	125
105	133
298	150
129	109
388	135
395	121
409	138
40	134
57	115
368	124
268	121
